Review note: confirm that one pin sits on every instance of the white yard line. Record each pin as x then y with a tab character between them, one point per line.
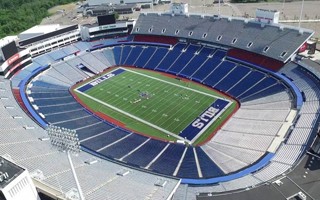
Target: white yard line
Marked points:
155	126
187	88
133	116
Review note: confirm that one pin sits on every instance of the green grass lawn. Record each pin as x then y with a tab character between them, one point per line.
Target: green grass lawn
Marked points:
167	103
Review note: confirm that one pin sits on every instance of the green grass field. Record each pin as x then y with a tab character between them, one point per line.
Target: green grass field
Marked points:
152	103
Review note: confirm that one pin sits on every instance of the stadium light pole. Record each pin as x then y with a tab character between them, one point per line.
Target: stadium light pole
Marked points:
283	6
219	12
301	12
66	140
152	6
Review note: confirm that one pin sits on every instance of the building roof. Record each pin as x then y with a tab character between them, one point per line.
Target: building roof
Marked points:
8	171
42	29
124	6
6	40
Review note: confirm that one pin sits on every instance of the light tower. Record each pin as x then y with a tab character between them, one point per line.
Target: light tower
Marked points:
66	140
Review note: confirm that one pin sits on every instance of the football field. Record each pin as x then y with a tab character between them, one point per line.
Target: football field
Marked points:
169	107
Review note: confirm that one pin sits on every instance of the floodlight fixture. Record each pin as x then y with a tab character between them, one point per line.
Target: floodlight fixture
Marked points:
66	140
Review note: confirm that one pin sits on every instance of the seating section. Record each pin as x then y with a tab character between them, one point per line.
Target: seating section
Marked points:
72	73
188	167
170	58
156	58
57	55
43	60
94	62
204	64
133	55
197	61
265	105
24	147
70	49
185	57
145	55
55	103
77	63
225	31
172	155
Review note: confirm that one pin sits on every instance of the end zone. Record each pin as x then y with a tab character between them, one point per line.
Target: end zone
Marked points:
99	80
204	120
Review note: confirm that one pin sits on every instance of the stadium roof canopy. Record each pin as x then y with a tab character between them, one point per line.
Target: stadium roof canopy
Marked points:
39	30
273	40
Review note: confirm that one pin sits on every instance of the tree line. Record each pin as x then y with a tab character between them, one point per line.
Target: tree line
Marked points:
19	15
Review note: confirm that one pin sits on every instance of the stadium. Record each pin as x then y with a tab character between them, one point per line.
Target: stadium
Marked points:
172	105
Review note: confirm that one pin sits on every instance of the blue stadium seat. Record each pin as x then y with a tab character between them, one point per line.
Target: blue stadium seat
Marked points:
78	123
54	101
105	139
206	51
220	72
242	86
263	84
134	54
274	89
124	146
85	133
184	59
208	167
63	116
206	68
196	62
156	58
232	78
55	94
220	54
170	58
59	108
117	54
149	151
168	161
45	85
188	168
125	53
145	56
